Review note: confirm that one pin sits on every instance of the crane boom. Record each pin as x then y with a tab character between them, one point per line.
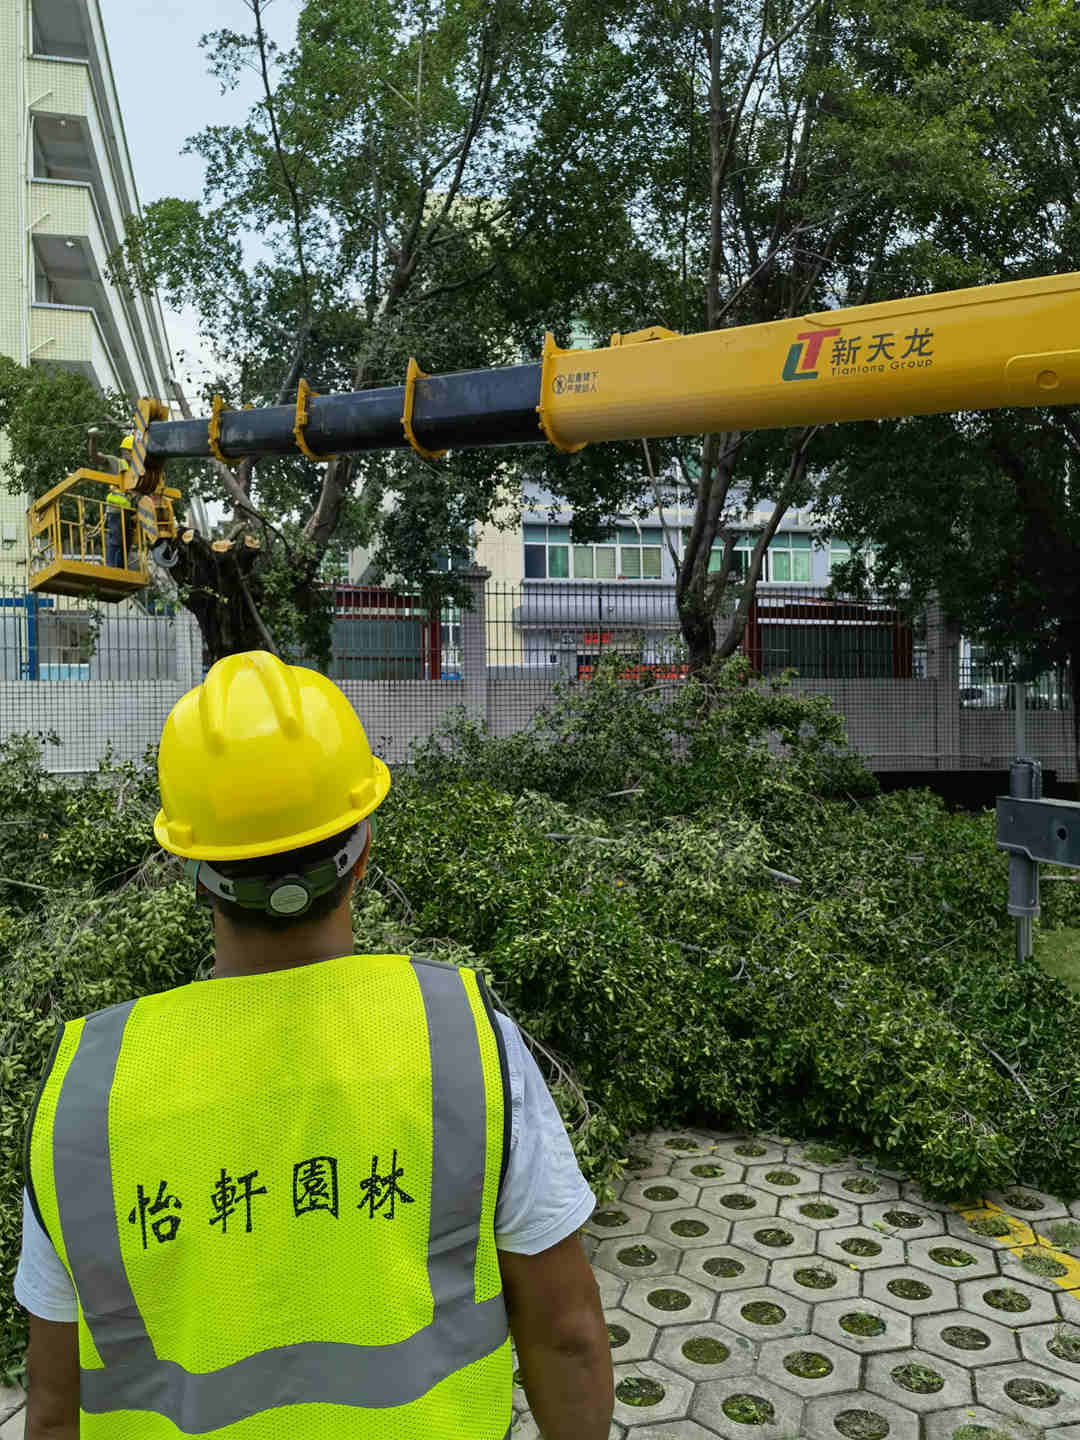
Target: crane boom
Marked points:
981	348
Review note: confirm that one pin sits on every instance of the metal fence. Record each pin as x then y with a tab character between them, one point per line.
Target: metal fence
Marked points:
991	686
912	696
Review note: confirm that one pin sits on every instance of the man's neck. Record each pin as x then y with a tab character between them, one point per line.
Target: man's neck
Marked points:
252	952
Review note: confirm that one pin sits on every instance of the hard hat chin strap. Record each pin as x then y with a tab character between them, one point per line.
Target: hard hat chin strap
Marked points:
281	894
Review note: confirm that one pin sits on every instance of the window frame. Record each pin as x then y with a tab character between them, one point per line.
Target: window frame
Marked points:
597	556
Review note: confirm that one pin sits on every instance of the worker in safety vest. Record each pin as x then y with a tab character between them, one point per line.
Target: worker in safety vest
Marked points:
316	1193
120	516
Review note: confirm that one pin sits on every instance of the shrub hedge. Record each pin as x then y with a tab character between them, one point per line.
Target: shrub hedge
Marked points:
618	871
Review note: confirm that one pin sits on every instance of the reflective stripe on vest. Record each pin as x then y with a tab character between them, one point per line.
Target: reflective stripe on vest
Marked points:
461	1331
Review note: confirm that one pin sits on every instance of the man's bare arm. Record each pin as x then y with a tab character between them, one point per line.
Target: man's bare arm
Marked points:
52	1362
557	1322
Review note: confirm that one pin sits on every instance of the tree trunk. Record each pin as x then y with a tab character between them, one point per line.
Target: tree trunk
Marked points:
217	586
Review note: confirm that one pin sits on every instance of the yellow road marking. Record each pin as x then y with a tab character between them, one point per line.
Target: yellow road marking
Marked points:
1024	1238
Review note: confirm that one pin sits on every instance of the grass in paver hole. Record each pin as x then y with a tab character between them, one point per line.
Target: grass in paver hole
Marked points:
965	1337
1012	1300
909	1289
706	1172
748	1409
763	1312
738	1202
808	1365
683	1142
981	1432
639	1390
661	1192
861	1185
637	1255
1022	1200
774	1236
617	1335
1065	1345
750	1147
861	1425
1044	1265
902	1219
610	1217
668	1299
919	1378
1065	1233
818	1210
861	1322
824	1154
1032	1392
781	1177
704	1350
638	1162
816	1277
856	1245
947	1255
721	1265
689	1227
992	1226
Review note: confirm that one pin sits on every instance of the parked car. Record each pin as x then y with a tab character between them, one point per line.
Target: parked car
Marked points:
991	696
996	695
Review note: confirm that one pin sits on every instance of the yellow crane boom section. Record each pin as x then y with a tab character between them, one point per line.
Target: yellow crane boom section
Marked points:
997	345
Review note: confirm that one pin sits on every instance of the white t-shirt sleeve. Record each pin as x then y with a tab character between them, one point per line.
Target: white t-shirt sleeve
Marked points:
42	1285
544	1197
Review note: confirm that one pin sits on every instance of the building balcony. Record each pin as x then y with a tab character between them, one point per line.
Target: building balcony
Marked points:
71	261
72	337
72	147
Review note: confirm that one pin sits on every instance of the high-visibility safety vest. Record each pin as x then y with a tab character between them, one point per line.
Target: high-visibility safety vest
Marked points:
275	1195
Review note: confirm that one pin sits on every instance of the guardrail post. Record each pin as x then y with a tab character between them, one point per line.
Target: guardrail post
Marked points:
189	668
1025	783
943	667
474	642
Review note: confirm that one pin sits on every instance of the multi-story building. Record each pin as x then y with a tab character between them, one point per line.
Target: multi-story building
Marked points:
556	603
66	186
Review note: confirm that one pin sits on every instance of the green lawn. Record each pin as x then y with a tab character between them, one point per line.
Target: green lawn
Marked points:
1058	952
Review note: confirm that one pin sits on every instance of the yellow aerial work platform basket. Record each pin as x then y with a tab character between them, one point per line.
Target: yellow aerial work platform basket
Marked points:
80	543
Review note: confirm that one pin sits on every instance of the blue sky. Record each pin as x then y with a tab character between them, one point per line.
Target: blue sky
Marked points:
166	95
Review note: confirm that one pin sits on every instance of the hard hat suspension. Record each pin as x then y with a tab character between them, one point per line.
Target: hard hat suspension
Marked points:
290	894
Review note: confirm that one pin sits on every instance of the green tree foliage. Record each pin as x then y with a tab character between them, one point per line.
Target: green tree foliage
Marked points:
356	219
702	167
982	509
45	412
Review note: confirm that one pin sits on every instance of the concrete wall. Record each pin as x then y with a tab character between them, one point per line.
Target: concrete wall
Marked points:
893	724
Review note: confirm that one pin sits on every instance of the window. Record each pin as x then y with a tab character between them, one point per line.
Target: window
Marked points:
621	554
452	560
583	562
65	644
789	558
839	553
740	560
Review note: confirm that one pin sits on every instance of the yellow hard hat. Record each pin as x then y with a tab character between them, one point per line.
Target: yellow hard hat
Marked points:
127	443
260	758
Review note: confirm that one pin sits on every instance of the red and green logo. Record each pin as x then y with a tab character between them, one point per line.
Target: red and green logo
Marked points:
802	358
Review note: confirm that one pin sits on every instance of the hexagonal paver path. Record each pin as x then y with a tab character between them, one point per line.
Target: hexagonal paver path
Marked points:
764	1289
757	1288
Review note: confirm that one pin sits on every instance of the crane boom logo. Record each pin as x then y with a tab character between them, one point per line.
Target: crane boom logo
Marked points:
802	358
